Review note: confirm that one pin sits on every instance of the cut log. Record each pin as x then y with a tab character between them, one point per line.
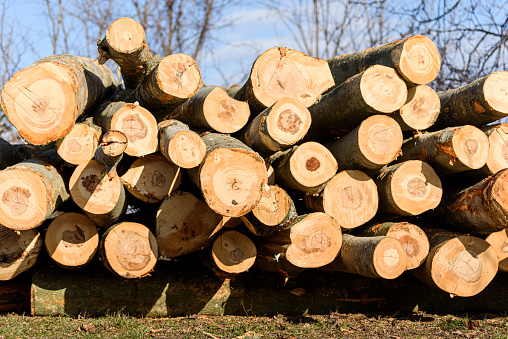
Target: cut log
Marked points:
478	209
71	240
100	197
306	167
129	250
373	144
483	101
461	265
377	90
44	100
350	197
211	108
374	257
415	58
313	240
276	128
285	73
452	150
152	178
31	191
18	251
413	239
125	43
232	90
499	242
232	177
79	145
185	224
232	253
498	151
138	124
110	152
179	145
9	155
274	212
408	188
421	109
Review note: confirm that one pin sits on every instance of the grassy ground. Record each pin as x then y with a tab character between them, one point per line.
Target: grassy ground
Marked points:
333	325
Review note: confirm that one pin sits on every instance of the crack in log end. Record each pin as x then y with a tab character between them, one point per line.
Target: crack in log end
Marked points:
73	145
180	69
17	198
237	255
471	146
478	108
227	110
410	245
317	242
312	164
73	238
289	122
40	105
132	251
467	266
134	127
350	198
91	183
158	179
417	187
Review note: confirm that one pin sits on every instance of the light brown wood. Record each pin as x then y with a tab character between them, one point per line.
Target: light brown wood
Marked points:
110	152
499	242
408	188
285	73
129	250
80	143
233	252
71	240
179	145
498	150
421	109
18	251
350	197
185	224
152	178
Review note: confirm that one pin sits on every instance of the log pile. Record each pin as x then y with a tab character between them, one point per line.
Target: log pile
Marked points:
306	161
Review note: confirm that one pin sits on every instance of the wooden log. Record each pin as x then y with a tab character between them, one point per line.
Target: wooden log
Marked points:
102	198
408	188
377	90
31	191
231	253
413	239
478	209
71	240
125	43
350	197
499	242
497	158
271	173
461	265
452	150
129	250
279	126
421	109
43	101
275	211
138	124
9	155
285	73
79	145
306	167
373	144
185	224
18	251
232	177
211	108
180	145
110	151
481	102
373	257
232	90
415	58
152	178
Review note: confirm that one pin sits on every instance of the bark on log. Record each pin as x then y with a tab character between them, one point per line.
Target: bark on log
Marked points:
408	188
274	212
306	167
483	101
373	144
231	253
413	239
377	90
18	251
9	155
71	240
31	191
421	109
499	242
43	101
211	108
185	224
129	250
100	197
79	145
276	128
152	178
125	43
110	151
138	124
180	145
374	257
350	197
415	58
232	177
448	151
285	73
232	90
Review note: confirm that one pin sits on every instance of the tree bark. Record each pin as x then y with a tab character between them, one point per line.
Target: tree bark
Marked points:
110	151
180	145
9	155
79	145
18	251
499	242
421	109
